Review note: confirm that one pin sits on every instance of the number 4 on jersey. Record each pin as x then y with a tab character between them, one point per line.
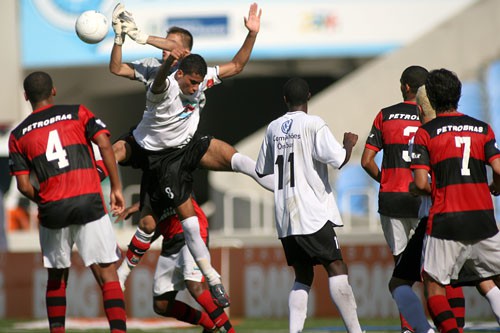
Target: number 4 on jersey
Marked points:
55	150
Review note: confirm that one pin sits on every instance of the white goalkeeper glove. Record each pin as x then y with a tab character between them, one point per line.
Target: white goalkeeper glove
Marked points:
117	24
130	28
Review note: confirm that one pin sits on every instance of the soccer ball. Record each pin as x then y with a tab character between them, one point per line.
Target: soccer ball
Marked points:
91	26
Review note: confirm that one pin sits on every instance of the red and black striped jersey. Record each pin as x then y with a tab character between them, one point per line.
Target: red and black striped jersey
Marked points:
391	132
456	148
54	144
170	228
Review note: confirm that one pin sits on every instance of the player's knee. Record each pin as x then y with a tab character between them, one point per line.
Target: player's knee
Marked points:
160	307
194	288
336	267
147	225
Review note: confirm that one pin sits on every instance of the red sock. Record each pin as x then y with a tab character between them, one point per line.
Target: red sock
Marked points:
456	300
139	245
55	300
442	314
404	324
183	312
217	314
114	306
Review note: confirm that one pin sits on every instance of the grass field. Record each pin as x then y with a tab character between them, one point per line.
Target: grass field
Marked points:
241	325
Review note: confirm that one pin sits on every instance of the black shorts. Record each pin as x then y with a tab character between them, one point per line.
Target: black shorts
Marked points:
169	179
320	247
138	158
408	265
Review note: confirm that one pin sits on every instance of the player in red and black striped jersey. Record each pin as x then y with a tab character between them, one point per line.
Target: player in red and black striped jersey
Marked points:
54	144
176	270
461	231
392	129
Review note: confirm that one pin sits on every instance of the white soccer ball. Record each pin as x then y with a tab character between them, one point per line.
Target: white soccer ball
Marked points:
91	26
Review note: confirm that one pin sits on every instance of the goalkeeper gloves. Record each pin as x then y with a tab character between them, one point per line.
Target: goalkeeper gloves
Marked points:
130	28
117	24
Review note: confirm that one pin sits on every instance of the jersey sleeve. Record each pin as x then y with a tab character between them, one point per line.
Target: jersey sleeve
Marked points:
491	150
420	154
93	126
327	149
374	140
212	78
145	69
18	163
265	161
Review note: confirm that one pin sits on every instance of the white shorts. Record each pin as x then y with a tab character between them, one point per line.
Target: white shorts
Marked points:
444	258
95	241
397	231
172	271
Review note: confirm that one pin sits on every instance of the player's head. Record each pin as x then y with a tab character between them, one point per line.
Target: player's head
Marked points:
181	36
426	111
191	72
296	92
411	79
443	89
38	87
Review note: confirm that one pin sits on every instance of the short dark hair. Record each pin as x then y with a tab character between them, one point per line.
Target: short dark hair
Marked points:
414	77
186	36
194	64
296	91
38	86
443	89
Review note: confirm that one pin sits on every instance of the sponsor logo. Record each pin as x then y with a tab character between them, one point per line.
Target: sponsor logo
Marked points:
201	26
47	122
460	128
286	126
403	116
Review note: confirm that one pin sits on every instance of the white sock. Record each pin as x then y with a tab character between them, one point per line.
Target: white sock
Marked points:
493	296
244	164
123	272
199	250
343	297
297	304
411	308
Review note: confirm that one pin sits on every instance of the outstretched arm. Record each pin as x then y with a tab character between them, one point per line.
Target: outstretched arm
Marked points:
115	62
236	65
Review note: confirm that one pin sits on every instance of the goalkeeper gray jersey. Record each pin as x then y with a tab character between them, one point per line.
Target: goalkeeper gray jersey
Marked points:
297	148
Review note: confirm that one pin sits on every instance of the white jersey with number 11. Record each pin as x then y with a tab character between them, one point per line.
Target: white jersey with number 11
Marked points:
297	149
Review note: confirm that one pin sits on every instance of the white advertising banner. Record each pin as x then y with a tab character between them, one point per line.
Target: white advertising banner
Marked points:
289	29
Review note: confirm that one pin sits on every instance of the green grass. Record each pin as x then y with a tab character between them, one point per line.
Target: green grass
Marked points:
241	326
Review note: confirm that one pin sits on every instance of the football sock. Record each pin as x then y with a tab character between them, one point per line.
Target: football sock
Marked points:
55	298
456	300
183	312
244	164
411	309
139	245
217	314
199	250
405	325
114	306
342	295
493	297
441	313
297	304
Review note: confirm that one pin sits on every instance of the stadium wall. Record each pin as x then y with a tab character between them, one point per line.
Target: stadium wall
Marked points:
256	278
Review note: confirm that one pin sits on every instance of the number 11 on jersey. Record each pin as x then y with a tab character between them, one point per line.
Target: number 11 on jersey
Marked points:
281	169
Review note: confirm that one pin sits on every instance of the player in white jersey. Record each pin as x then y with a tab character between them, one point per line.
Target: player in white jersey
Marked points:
297	149
154	133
